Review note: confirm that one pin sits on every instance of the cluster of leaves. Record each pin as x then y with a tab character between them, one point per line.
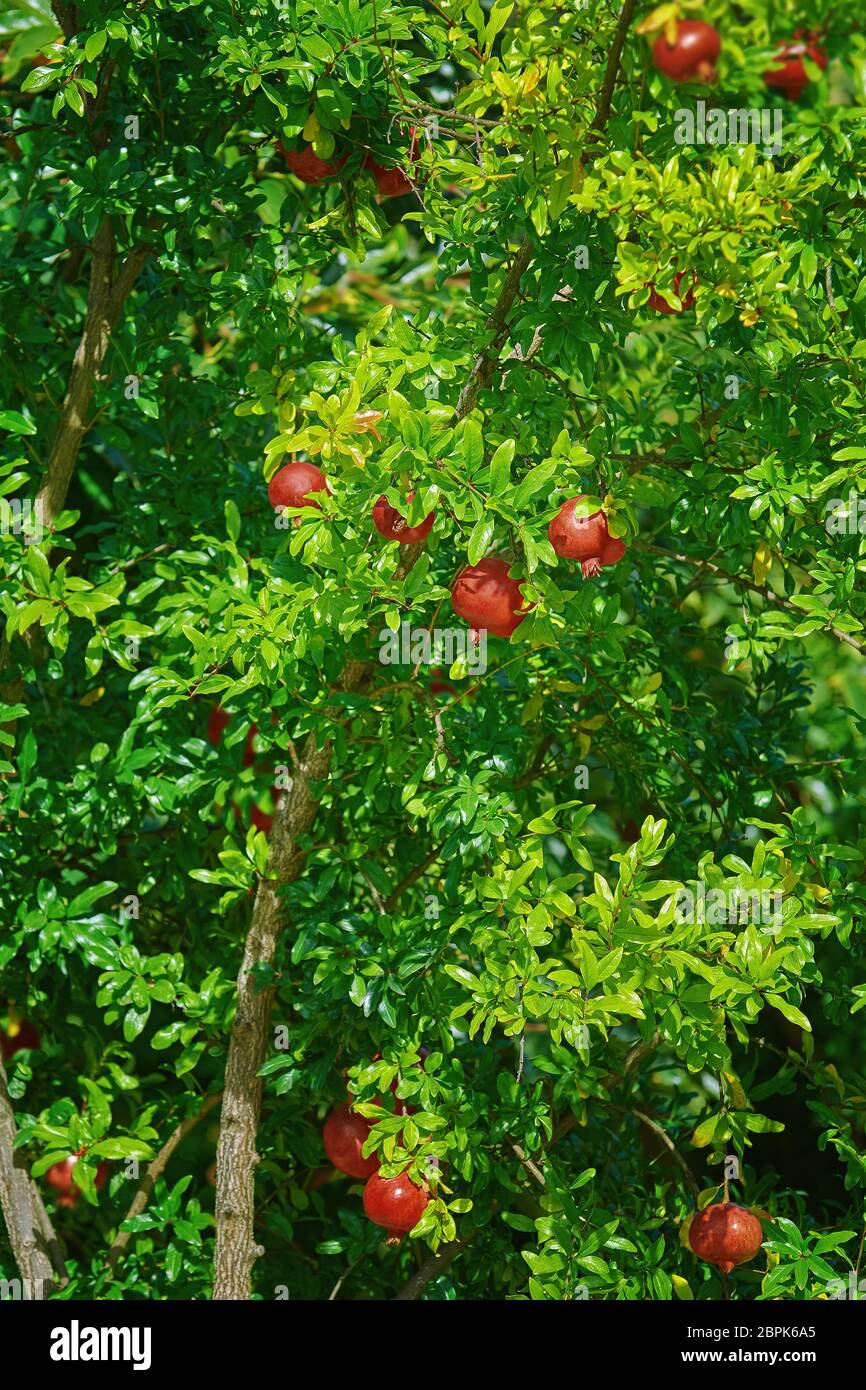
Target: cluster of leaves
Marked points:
496	874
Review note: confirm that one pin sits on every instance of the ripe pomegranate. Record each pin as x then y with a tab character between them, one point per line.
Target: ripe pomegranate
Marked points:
293	484
790	79
487	598
59	1176
442	687
396	1203
18	1038
661	305
306	165
584	538
391	181
216	725
390	524
725	1234
344	1135
692	57
262	820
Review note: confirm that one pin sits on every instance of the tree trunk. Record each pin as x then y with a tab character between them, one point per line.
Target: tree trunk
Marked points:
31	1235
236	1250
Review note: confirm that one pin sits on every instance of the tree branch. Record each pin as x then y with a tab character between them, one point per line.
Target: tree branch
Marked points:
105	300
486	362
432	1268
35	1246
236	1249
608	86
742	582
154	1171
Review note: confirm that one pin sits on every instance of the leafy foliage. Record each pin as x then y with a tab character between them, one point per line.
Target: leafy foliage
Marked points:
520	875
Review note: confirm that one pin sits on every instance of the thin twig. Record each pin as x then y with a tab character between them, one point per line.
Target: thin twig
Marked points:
154	1171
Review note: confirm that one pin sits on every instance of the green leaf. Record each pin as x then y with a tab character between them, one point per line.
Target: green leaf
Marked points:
233	519
500	467
94	44
15	422
74	98
789	1011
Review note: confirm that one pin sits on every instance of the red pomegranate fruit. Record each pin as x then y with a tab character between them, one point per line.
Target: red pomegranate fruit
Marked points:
262	820
442	687
344	1136
391	180
217	723
790	77
725	1235
60	1177
19	1037
584	538
661	305
294	485
487	598
692	56
396	1203
390	524
306	165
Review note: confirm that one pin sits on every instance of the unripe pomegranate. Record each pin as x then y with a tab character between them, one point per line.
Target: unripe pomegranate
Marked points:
344	1136
661	305
293	485
306	165
692	56
396	1203
725	1234
60	1177
390	524
18	1038
487	598
584	538
790	78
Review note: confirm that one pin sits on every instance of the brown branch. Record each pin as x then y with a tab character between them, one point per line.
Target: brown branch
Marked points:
440	1262
740	581
670	1145
605	96
105	300
432	1268
412	877
485	365
35	1246
155	1170
236	1248
602	113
